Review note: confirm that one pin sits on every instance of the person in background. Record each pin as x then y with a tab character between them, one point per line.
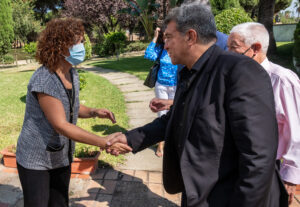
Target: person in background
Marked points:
165	86
157	104
46	143
252	39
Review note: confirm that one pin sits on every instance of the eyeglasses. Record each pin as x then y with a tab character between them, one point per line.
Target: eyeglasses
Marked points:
246	51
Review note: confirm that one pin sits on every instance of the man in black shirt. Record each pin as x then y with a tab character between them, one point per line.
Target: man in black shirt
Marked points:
221	133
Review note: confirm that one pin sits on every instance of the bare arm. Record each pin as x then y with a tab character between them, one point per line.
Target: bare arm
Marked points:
55	114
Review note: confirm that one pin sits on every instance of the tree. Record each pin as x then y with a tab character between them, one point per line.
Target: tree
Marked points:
24	21
6	27
220	5
43	7
103	13
281	4
145	11
297	7
265	17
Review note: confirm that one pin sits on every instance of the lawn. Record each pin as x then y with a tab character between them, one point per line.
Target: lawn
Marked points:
97	93
284	56
137	66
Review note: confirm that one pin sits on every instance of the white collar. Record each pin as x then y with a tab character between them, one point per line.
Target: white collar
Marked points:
266	64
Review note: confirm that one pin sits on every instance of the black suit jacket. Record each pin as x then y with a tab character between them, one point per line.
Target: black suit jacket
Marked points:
228	148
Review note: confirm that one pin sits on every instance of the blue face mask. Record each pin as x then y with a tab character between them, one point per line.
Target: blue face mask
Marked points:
77	54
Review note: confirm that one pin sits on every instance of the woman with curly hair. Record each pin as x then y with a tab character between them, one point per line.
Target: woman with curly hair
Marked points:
46	143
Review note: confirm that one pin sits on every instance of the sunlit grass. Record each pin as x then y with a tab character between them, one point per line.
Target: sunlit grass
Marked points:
98	93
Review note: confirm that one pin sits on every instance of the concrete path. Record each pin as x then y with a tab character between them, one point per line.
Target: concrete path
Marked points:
137	98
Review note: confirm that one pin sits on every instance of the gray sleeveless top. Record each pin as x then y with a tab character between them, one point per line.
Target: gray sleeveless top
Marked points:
37	133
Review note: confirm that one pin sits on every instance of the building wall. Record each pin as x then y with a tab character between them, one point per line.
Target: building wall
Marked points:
284	32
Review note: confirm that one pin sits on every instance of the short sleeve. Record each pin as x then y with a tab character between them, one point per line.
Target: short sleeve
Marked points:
44	83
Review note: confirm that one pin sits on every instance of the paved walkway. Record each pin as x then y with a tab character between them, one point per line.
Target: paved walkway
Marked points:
105	188
137	98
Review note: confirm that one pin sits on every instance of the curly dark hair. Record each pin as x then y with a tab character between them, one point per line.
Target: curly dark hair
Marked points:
59	35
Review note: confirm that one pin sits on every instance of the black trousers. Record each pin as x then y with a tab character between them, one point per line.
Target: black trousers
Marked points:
45	188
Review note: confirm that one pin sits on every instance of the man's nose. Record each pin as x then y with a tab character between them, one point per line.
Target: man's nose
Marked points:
166	46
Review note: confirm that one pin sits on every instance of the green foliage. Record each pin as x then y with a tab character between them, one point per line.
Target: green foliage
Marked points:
88	47
83	150
136	46
281	5
287	20
110	43
99	93
82	79
248	5
297	42
233	17
220	5
6	27
30	48
8	59
145	11
24	21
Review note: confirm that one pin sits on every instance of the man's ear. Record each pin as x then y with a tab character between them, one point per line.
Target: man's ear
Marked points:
256	47
191	36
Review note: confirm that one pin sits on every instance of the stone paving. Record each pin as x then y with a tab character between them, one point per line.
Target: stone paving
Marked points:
105	188
137	98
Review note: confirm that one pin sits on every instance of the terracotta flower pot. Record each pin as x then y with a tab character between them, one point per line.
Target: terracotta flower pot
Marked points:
85	165
9	158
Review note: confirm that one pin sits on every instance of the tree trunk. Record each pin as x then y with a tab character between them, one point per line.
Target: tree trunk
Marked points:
164	8
265	17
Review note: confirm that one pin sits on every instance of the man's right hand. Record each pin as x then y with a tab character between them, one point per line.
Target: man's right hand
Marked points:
117	145
157	104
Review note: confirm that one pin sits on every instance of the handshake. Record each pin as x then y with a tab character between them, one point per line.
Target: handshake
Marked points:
116	144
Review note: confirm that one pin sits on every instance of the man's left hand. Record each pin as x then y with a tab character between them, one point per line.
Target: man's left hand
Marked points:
291	189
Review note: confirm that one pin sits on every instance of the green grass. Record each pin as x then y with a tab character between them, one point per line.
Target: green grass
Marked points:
98	93
284	56
137	66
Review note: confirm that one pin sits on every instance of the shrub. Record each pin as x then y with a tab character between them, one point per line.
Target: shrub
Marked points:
83	150
30	48
297	41
6	27
82	79
296	50
8	59
88	47
103	47
110	43
229	18
136	46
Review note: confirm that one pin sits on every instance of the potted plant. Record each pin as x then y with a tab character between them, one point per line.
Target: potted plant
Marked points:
84	162
86	159
9	156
